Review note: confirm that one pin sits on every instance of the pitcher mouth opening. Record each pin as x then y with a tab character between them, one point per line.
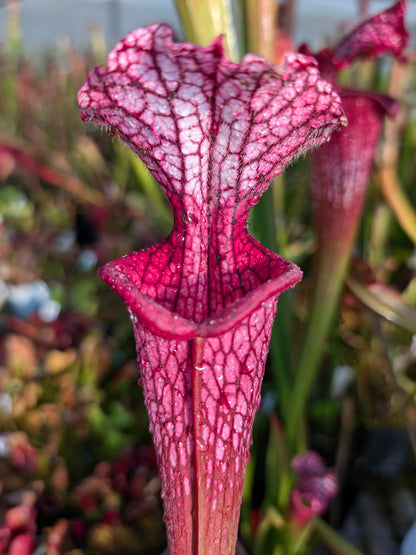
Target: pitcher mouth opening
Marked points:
166	323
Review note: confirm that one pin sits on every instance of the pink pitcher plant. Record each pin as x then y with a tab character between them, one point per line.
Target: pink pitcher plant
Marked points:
340	172
341	192
202	302
315	487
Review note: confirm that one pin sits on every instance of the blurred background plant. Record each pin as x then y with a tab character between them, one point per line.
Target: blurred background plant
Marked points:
77	470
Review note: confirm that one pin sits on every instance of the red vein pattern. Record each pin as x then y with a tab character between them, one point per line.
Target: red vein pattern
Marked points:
202	302
382	34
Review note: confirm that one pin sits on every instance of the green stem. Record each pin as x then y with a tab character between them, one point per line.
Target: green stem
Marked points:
399	203
280	350
277	464
229	30
185	14
302	539
279	211
203	21
264	225
330	276
272	521
398	390
261	27
337	544
152	192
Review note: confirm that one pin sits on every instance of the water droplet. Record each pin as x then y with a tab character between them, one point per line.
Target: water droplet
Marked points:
201	445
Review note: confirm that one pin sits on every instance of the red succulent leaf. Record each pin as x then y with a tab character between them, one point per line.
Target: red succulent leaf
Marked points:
382	34
78	528
22	544
21	453
21	518
202	302
5	535
111	516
